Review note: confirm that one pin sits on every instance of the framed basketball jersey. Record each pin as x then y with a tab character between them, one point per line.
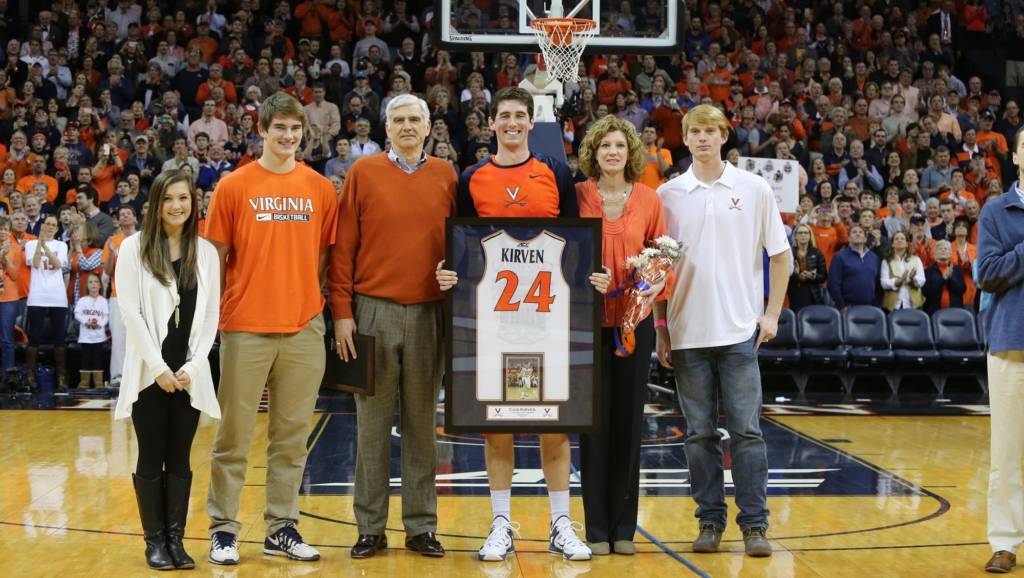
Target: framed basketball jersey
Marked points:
523	325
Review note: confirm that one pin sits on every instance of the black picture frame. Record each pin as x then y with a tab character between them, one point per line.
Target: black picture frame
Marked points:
355	376
579	412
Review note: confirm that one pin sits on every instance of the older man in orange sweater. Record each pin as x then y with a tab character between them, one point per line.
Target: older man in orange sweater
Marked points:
390	236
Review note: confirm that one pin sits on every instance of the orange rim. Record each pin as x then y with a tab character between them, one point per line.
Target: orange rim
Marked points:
560	31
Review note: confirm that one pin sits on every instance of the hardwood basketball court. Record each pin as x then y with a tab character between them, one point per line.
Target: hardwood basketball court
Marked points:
851	493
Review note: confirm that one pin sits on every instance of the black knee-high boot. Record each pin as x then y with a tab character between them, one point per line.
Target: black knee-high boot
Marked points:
150	495
176	505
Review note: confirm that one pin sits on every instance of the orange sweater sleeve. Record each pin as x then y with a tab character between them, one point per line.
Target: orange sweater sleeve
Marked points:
341	272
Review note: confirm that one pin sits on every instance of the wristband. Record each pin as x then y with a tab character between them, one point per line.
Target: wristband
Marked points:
659	323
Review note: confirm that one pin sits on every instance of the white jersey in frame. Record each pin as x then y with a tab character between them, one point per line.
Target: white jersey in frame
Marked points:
522	309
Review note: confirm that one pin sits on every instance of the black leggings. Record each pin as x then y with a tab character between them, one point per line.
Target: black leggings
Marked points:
91	357
165	424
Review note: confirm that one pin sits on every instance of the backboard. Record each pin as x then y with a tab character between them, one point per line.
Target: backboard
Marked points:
651	26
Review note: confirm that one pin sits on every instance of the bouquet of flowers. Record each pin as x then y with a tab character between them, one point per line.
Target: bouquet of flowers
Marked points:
646	270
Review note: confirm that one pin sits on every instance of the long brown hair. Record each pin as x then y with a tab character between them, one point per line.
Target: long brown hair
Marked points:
156	252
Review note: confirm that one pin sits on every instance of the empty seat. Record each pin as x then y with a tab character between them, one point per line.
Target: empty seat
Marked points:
821	336
782	350
956	339
866	335
910	332
956	336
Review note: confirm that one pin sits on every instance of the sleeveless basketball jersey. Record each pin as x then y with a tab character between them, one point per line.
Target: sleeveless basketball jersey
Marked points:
523	308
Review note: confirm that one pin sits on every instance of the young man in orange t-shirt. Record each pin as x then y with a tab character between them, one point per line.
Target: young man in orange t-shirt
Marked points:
279	214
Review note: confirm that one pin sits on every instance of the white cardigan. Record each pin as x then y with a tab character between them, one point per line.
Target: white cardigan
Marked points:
146	306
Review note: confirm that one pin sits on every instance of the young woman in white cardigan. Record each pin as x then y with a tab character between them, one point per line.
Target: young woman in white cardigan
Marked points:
168	288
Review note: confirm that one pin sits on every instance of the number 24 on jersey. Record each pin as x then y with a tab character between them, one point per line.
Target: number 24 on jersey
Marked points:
539	293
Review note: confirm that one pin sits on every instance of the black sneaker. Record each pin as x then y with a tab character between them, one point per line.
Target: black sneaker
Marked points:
287	542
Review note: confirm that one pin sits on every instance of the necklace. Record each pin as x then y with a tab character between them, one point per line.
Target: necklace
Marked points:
615	196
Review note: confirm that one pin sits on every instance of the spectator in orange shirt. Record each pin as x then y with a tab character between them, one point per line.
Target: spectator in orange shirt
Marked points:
668	119
719	79
206	43
657	159
828	236
613	84
964	253
39	176
989	140
312	14
12	264
17	156
107	171
216	78
920	244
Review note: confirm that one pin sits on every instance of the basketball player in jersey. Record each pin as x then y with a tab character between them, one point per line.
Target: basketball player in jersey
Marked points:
516	183
726	219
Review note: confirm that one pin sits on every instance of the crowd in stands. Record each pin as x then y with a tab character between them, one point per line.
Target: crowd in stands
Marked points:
899	144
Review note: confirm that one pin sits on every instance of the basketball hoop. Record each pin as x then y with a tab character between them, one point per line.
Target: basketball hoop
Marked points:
562	41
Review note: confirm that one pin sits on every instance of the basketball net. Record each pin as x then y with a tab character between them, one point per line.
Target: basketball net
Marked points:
562	41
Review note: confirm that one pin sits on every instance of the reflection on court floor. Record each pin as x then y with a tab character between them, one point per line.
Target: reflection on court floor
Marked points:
798	465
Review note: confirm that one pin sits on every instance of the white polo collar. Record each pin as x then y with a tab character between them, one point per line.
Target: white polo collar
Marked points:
727	179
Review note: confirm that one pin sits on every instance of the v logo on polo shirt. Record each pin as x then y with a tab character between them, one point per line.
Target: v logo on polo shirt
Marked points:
734	204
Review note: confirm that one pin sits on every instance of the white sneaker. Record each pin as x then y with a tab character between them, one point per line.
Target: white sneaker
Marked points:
499	542
564	540
287	542
223	548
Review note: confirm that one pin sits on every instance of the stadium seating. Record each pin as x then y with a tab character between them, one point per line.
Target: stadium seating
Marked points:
864	341
913	344
867	341
821	342
781	355
956	340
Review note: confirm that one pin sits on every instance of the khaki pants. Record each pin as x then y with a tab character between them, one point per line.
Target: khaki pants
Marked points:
1005	488
292	367
407	373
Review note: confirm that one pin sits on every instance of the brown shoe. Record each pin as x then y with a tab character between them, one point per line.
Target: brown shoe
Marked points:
756	543
708	540
1001	562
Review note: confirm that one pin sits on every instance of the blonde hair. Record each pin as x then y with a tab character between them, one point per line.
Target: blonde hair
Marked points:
635	162
810	240
706	115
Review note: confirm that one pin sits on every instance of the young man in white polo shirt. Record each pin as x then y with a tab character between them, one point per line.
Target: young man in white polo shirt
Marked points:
712	324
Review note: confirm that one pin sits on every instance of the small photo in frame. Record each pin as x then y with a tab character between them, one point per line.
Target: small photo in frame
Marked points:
523	377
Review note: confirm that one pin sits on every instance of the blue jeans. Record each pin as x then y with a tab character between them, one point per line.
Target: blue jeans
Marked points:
8	314
702	376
